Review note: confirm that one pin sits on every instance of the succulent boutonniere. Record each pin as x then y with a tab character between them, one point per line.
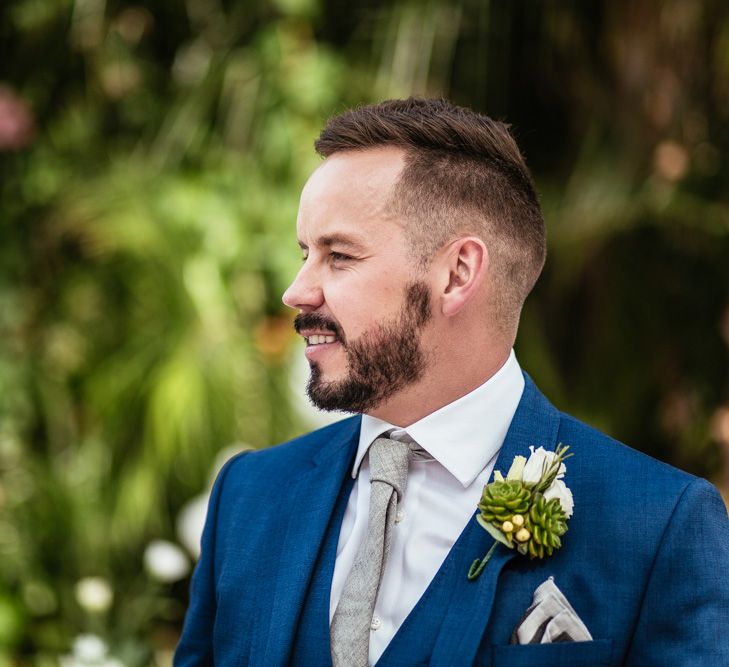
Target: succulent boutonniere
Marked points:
529	509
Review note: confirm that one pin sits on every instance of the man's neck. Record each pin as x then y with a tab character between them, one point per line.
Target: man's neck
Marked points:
438	389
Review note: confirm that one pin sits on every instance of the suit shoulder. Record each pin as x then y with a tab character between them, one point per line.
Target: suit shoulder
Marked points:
627	492
612	457
289	457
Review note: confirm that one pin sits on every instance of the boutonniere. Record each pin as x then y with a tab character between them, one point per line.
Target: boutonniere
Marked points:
527	511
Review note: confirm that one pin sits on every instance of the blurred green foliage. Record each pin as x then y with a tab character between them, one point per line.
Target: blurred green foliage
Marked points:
151	157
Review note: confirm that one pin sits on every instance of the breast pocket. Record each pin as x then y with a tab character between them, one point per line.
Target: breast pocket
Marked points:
562	654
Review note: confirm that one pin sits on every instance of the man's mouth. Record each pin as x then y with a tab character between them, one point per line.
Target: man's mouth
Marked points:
319	339
317	329
318	344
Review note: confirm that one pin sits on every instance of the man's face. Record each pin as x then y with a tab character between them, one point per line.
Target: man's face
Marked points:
363	306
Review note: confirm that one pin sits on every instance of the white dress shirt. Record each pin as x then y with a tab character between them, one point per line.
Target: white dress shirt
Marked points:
464	439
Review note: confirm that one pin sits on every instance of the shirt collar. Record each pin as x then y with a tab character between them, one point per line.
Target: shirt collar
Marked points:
466	434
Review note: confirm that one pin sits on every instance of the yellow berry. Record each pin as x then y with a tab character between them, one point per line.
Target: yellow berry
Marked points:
518	520
523	535
507	526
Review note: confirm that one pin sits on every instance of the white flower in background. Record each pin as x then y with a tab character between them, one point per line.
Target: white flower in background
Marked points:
190	523
559	490
94	594
89	648
89	651
538	462
165	561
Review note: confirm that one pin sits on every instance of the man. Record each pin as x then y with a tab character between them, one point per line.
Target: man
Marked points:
422	235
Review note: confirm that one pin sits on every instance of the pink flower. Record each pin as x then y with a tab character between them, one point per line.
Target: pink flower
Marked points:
17	127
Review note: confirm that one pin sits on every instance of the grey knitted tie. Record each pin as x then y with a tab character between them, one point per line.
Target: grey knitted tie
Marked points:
350	628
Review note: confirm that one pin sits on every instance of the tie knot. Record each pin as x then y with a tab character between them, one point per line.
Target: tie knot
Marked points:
389	461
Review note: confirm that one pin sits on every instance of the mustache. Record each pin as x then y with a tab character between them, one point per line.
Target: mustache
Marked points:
317	321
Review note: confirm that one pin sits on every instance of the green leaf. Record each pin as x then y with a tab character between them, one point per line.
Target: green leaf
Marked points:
494	532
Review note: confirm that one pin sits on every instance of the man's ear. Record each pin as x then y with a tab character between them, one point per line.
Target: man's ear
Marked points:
466	262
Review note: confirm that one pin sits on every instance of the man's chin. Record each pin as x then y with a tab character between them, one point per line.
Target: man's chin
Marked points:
324	376
337	395
324	396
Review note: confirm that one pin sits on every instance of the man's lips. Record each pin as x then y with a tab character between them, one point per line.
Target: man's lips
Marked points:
320	344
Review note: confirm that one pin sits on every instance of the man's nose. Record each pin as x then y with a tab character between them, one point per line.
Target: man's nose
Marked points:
305	292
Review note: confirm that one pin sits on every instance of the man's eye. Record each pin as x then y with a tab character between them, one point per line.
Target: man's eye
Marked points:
340	257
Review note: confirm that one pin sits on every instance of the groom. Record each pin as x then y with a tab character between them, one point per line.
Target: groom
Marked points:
422	235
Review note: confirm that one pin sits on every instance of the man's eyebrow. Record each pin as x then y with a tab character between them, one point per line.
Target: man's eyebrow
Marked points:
334	239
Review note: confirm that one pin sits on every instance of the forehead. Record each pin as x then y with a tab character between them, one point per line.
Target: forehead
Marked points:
350	193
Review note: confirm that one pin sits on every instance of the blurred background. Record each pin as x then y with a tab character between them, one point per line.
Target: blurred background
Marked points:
151	158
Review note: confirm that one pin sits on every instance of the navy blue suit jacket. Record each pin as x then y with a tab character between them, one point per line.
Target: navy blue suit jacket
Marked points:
645	561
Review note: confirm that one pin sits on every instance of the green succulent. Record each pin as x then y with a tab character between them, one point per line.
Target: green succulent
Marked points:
501	500
546	523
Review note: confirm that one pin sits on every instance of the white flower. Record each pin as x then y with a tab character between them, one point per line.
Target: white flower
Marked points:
89	651
191	521
165	561
538	462
517	468
560	491
89	648
94	594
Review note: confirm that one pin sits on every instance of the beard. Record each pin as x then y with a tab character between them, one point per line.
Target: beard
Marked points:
380	362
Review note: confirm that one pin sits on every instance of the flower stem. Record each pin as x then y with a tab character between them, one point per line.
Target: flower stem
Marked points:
478	565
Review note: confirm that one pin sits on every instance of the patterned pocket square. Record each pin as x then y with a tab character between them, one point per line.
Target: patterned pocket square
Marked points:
550	619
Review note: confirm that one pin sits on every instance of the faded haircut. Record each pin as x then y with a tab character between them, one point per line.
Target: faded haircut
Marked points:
463	175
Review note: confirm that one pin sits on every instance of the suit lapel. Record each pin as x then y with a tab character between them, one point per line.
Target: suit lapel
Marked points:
312	503
536	422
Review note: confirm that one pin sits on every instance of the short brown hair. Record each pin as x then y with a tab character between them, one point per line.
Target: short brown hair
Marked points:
463	174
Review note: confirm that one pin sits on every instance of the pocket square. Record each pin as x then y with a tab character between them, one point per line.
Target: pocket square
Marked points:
550	619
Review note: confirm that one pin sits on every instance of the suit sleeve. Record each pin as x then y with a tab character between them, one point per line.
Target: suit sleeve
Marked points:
196	644
685	612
